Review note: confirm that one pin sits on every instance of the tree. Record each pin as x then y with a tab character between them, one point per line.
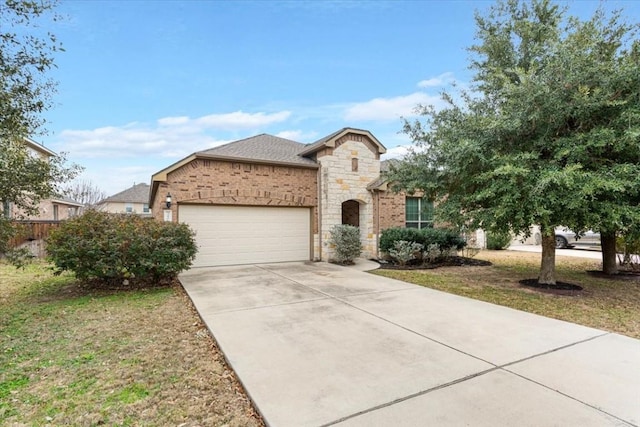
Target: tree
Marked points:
548	134
26	54
85	192
25	180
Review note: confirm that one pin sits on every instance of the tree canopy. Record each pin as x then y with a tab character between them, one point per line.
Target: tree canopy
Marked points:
26	55
548	134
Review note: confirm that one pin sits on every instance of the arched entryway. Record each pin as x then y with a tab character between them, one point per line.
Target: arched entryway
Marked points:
351	213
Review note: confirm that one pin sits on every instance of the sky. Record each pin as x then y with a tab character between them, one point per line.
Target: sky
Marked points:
143	84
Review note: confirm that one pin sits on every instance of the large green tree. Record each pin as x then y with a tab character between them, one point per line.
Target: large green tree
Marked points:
548	134
26	56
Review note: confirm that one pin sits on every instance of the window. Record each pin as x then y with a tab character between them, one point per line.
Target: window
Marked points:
145	208
55	213
128	207
354	165
418	213
6	209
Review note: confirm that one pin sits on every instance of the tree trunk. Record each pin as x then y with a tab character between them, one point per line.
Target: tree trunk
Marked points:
609	257
548	265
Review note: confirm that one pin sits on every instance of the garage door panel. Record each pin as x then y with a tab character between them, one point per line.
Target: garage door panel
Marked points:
228	235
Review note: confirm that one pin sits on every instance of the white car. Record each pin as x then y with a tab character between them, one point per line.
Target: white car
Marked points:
566	238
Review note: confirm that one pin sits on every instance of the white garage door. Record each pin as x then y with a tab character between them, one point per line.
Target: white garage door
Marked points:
228	235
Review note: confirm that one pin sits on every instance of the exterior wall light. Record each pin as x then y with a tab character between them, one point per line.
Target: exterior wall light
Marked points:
168	200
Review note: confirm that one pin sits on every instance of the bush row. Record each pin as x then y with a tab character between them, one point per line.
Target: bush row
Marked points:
99	245
445	239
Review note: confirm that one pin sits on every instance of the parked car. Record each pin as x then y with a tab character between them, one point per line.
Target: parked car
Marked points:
566	238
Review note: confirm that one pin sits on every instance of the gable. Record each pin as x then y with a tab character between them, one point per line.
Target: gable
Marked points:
326	145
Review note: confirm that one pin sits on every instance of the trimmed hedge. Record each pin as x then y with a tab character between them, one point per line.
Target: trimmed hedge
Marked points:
100	245
446	239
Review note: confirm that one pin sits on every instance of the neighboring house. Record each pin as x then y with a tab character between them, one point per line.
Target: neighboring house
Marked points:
53	209
133	200
269	199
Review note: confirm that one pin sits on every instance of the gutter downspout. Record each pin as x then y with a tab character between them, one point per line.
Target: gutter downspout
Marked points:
378	225
319	184
376	197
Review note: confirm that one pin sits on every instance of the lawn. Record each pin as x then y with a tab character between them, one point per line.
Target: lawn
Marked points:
608	304
75	356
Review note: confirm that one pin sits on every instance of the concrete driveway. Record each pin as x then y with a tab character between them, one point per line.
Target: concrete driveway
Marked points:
316	344
576	252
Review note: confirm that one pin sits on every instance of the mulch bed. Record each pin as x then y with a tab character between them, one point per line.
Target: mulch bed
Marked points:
453	261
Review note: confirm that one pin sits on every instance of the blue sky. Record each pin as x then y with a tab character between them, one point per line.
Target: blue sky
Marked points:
143	84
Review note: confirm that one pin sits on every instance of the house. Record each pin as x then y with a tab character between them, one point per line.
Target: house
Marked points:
132	200
52	209
270	199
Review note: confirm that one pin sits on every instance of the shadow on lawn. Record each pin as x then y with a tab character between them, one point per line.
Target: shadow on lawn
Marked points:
61	290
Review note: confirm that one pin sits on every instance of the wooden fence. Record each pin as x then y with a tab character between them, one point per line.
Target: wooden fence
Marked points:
33	233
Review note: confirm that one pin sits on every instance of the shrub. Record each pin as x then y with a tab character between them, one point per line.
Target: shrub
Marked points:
404	251
117	247
628	250
472	248
498	241
390	236
446	239
346	239
433	253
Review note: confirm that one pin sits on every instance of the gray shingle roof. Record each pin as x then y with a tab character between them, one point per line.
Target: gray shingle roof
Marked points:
139	193
262	147
320	143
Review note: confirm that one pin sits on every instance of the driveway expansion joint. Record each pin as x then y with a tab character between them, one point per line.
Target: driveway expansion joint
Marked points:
410	396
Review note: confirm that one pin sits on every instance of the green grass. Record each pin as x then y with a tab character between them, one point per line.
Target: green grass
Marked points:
75	355
609	304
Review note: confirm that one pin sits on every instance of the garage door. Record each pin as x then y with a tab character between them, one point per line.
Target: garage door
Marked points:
228	235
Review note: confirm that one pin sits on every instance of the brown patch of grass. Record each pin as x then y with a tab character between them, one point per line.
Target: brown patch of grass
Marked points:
75	356
609	304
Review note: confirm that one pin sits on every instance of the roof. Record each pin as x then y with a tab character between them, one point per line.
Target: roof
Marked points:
38	147
139	193
66	201
261	147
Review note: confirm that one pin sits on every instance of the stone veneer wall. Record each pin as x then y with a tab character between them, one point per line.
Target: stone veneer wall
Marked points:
339	184
233	183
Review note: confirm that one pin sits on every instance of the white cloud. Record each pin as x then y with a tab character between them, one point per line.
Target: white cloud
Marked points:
396	152
169	137
443	79
390	108
172	121
240	120
298	135
114	142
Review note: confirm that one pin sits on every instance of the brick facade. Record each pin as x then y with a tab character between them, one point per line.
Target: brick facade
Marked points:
391	210
233	183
